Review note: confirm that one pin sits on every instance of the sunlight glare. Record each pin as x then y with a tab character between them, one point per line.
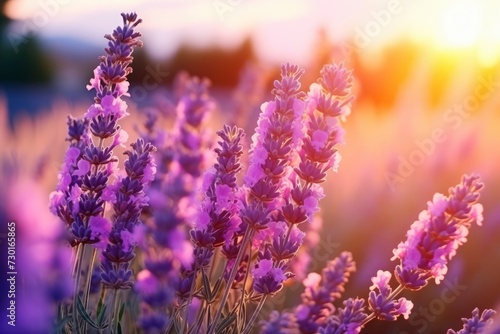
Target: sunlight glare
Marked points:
461	24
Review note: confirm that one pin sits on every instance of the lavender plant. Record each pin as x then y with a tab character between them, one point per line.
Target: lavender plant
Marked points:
182	156
253	227
431	242
90	184
246	225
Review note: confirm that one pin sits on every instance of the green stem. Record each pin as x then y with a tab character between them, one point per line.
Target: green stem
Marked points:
116	309
234	270
186	313
393	294
88	279
249	325
78	273
245	281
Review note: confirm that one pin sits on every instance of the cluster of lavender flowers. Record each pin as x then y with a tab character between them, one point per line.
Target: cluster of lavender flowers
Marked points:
431	242
245	225
182	156
90	183
245	236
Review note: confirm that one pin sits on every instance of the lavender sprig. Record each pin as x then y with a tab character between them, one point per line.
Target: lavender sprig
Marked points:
85	185
182	156
477	324
280	323
322	291
431	242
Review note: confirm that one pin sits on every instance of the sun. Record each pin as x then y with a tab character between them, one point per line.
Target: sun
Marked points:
461	24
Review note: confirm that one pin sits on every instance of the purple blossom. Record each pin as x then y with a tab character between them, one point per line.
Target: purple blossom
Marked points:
88	165
130	200
182	158
382	303
280	323
321	291
346	320
434	238
268	278
477	324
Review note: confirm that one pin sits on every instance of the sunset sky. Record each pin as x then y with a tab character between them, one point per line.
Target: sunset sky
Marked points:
283	30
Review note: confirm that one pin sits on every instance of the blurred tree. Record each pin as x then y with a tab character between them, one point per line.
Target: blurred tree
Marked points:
22	60
381	84
221	66
4	20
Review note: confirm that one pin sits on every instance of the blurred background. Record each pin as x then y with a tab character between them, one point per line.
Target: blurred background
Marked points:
426	111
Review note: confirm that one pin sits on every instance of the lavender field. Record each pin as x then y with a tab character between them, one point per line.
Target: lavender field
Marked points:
321	170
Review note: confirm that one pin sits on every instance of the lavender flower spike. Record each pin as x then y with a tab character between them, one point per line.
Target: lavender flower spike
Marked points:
434	238
321	291
85	181
347	320
382	302
280	323
477	324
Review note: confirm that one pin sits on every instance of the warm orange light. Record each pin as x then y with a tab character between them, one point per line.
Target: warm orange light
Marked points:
20	10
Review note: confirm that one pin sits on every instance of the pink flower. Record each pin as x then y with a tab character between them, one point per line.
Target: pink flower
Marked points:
438	204
254	174
260	155
95	81
312	280
311	205
208	179
114	106
264	267
320	138
128	239
71	156
476	213
203	220
83	168
100	228
381	282
149	171
404	307
93	111
223	193
109	193
122	88
268	108
56	198
74	197
120	138
336	158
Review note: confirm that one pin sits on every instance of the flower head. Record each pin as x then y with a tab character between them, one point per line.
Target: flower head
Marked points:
382	305
434	238
476	324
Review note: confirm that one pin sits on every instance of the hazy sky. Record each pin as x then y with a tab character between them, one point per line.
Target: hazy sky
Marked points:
283	30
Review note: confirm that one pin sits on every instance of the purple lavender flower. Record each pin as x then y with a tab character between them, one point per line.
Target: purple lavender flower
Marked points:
130	199
268	278
431	242
182	157
321	291
382	302
434	238
85	181
88	166
218	214
280	323
477	324
347	320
